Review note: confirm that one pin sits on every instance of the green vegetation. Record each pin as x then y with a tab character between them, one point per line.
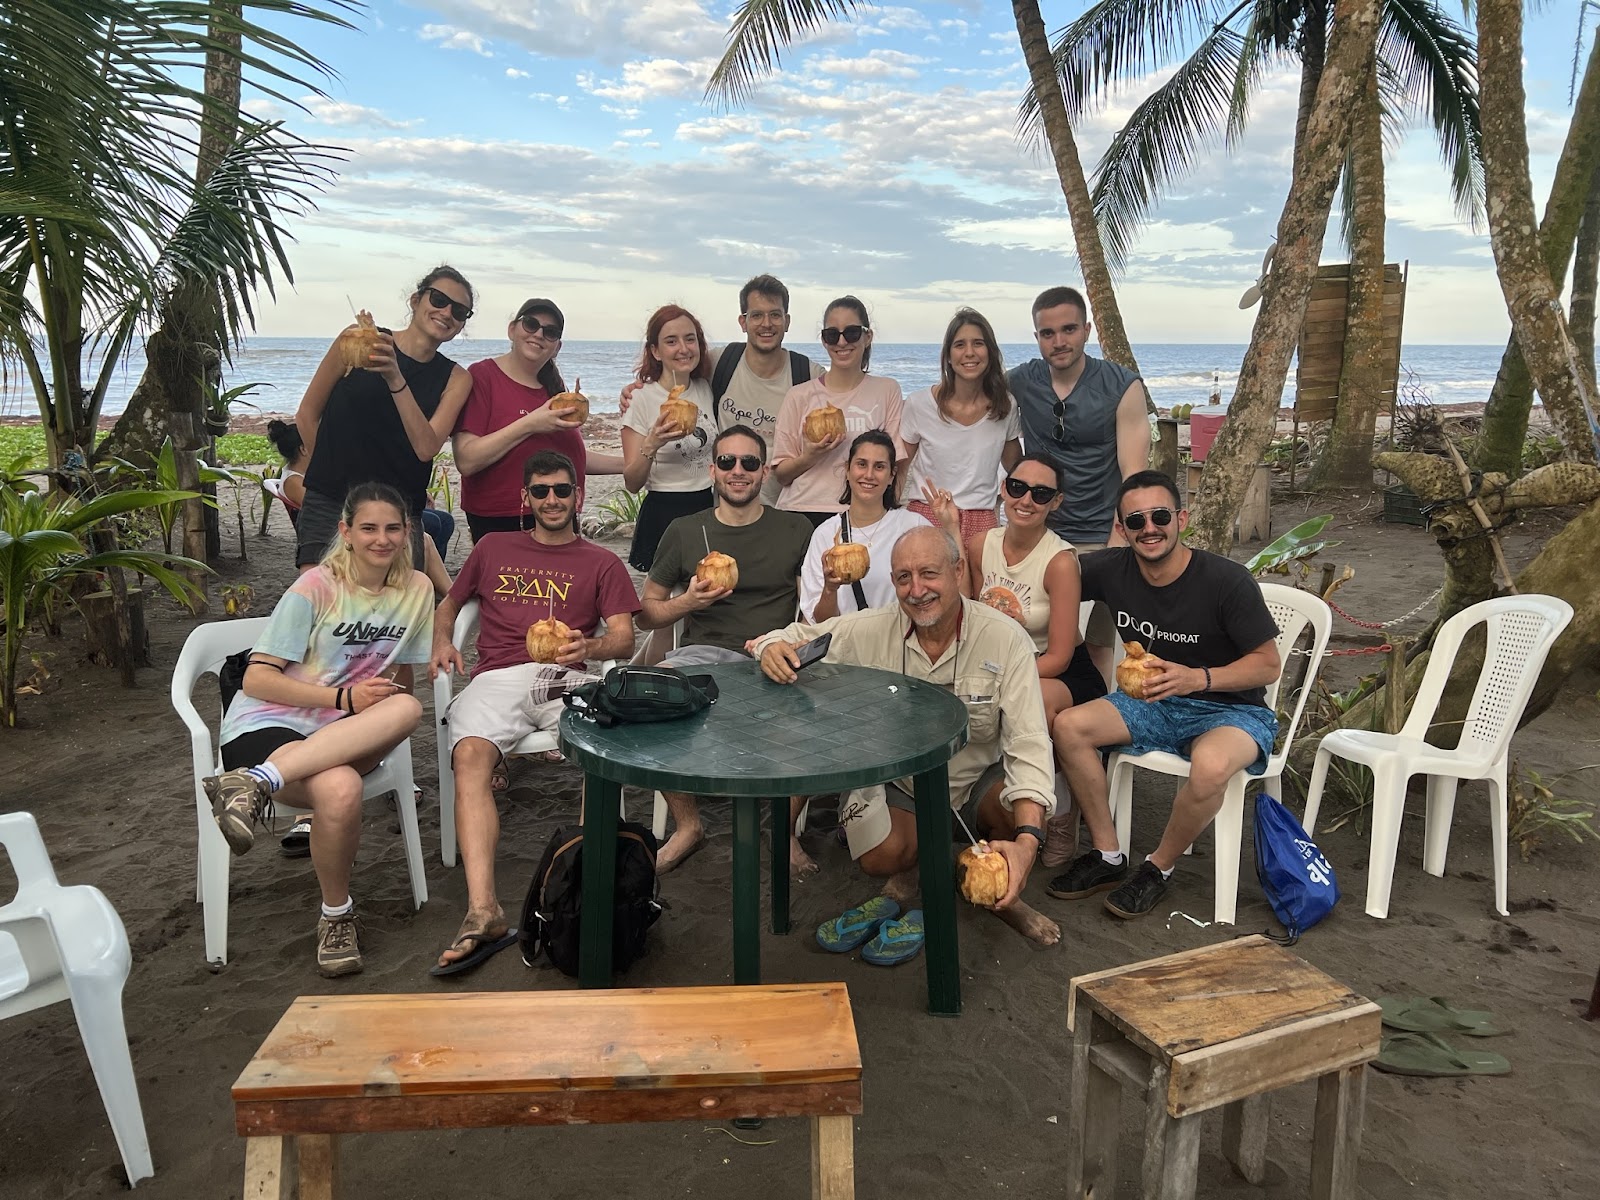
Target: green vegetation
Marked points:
233	449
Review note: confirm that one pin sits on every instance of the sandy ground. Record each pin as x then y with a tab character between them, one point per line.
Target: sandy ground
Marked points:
969	1107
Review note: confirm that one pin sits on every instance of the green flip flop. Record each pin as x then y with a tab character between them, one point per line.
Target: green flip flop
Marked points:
1434	1014
844	933
897	941
1429	1055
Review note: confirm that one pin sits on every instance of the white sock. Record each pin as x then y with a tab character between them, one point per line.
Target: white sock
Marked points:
267	774
1114	857
339	910
1153	863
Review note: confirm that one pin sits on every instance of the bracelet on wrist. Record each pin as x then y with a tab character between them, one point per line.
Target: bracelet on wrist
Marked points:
1207	670
396	391
338	699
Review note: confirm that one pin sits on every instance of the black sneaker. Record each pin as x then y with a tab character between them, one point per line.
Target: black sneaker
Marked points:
1140	894
1088	874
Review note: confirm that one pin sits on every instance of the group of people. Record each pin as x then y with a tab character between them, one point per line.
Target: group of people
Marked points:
990	612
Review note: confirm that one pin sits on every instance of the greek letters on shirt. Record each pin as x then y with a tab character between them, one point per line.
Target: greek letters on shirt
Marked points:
1128	625
515	587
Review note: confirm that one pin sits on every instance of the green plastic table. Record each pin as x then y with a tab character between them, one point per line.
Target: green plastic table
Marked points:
839	727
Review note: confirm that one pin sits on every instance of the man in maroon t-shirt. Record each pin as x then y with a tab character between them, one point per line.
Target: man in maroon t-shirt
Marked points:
517	579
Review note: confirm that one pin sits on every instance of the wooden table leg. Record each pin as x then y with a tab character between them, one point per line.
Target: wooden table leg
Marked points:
266	1173
601	799
833	1158
782	831
938	891
318	1156
1244	1136
1094	1112
1171	1144
746	890
1336	1136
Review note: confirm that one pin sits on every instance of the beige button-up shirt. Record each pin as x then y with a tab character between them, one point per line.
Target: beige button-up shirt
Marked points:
990	668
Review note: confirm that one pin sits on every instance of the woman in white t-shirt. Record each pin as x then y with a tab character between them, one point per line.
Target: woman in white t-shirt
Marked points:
813	473
960	432
673	464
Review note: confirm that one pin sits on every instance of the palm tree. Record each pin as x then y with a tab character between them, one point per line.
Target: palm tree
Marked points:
101	218
763	29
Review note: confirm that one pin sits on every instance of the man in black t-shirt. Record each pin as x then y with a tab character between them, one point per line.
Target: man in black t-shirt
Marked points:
1212	647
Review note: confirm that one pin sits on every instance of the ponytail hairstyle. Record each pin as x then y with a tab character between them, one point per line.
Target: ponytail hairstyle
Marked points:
442	271
872	437
860	309
549	374
340	559
286	439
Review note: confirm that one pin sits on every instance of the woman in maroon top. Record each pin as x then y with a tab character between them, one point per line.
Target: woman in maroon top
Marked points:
507	418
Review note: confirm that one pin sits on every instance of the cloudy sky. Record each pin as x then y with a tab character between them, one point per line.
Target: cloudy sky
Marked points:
562	148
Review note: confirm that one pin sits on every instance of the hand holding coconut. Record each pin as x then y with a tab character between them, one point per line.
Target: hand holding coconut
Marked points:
845	563
357	343
1143	676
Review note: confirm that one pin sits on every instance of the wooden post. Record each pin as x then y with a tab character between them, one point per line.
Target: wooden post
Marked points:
116	631
318	1169
1394	690
1336	1133
1164	457
833	1161
265	1176
1244	1136
1255	514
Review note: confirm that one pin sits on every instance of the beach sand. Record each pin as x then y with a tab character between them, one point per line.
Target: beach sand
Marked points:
967	1107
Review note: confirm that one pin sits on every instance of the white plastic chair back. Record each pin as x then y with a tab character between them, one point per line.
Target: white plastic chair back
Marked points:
1294	610
202	654
67	943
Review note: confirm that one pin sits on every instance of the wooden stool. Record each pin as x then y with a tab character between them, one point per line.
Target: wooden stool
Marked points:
1219	1026
370	1064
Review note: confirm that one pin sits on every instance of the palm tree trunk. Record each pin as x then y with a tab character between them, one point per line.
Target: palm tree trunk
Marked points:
1565	383
1347	462
1252	414
1097	283
1313	55
1585	268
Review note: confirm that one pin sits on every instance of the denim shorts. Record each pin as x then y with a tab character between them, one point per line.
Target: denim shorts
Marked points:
1174	723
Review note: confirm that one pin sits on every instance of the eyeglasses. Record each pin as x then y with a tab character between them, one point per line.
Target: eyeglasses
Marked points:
540	490
1134	521
850	333
532	324
1016	489
750	462
438	299
772	316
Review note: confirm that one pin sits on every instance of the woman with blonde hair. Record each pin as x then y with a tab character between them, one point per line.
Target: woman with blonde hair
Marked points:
960	432
325	696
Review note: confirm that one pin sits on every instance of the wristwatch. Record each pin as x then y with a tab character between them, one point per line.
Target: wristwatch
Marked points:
1038	833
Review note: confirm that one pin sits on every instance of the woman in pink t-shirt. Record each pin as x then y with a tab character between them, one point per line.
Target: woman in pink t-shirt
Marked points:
507	418
813	473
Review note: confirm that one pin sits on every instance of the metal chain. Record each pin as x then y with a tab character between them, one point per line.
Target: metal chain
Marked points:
1388	624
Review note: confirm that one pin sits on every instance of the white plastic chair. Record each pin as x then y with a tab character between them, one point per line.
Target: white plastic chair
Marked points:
1293	610
202	654
466	629
67	943
1520	631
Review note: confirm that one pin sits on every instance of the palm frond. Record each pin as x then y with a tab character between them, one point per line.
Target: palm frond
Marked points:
762	30
1159	142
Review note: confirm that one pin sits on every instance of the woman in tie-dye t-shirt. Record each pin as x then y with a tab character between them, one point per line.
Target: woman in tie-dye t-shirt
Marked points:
325	697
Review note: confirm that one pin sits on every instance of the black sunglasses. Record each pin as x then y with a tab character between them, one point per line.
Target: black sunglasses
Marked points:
750	462
540	490
1016	489
532	324
1134	521
438	299
1060	407
850	333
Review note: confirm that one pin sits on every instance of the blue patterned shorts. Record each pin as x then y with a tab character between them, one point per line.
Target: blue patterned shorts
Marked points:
1174	723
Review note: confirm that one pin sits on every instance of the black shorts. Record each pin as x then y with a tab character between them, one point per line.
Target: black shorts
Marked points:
1082	677
659	510
254	748
480	525
319	525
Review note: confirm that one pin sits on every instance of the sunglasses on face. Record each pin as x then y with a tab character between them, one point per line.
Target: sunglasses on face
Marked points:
437	299
540	490
532	324
1135	521
850	333
1016	489
750	462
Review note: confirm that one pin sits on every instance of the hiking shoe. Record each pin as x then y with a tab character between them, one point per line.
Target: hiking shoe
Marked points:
897	941
241	802
338	945
1088	874
844	933
1140	894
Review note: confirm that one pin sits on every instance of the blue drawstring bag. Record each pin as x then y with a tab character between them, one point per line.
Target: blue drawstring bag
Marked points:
1296	876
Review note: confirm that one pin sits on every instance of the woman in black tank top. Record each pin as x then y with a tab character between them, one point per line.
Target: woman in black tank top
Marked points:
385	422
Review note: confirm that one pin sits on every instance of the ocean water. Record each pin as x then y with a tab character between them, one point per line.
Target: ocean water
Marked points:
1176	373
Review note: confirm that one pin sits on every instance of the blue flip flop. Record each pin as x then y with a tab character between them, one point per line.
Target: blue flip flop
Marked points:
484	947
844	933
897	941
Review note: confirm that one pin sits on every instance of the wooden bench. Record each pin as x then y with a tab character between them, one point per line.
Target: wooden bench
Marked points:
371	1064
1221	1026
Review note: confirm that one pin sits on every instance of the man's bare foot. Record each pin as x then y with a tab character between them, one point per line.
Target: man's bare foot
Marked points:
801	864
685	840
1030	923
903	888
478	925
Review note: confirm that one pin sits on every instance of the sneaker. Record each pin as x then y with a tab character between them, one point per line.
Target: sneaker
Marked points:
241	802
1140	894
338	945
1088	874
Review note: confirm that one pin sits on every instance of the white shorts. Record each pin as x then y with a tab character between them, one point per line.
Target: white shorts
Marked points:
497	707
864	813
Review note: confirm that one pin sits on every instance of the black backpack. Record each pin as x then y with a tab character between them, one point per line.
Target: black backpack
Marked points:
553	913
799	372
630	695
